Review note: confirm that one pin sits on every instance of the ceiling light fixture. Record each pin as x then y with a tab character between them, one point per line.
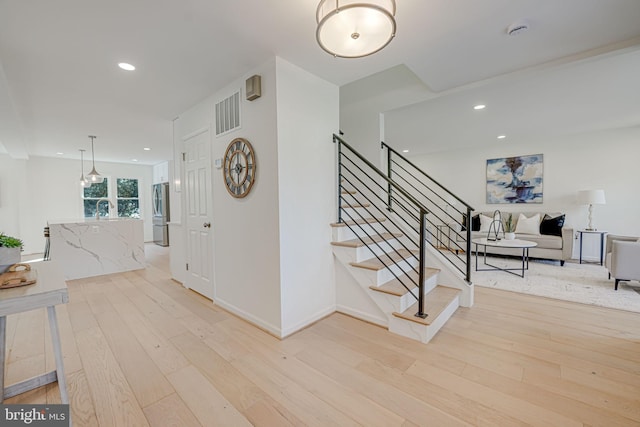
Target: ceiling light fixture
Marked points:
59	153
127	67
94	176
147	149
405	151
134	160
479	107
84	182
502	136
355	28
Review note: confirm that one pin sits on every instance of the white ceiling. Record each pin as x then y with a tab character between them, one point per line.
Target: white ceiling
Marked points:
59	81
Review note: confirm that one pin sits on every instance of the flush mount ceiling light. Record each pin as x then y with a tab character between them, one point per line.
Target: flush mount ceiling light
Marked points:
502	136
479	107
355	28
125	66
94	177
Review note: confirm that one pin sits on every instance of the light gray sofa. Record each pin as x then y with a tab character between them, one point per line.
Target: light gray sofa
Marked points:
557	248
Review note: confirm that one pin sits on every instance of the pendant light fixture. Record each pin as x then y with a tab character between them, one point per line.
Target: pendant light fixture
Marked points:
355	28
84	182
94	177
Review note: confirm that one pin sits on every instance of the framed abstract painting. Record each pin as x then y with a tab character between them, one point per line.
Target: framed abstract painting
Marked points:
515	179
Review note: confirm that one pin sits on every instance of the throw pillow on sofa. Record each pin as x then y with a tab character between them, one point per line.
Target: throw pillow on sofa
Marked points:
475	222
552	226
485	223
528	225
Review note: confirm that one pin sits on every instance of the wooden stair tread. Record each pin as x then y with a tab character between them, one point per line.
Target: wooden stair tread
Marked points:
348	192
434	303
355	205
392	258
357	243
395	287
358	221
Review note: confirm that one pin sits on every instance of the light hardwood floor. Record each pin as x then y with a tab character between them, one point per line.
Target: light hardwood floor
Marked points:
141	350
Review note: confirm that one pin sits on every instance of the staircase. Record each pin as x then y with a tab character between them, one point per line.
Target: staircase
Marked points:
382	240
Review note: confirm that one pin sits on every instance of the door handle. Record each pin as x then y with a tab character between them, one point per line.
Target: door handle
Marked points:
207	225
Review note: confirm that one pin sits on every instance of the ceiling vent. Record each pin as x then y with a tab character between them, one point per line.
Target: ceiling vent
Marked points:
518	27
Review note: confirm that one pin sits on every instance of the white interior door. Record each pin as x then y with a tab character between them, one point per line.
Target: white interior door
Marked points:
199	213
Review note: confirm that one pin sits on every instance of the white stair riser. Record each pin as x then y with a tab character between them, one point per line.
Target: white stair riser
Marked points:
366	252
407	300
417	331
359	212
343	233
396	270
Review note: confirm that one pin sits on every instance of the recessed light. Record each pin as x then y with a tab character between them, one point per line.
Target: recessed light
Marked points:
59	153
147	149
126	66
479	107
405	151
134	160
502	136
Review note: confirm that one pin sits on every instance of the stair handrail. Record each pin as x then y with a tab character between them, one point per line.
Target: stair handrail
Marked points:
423	212
382	174
469	208
383	145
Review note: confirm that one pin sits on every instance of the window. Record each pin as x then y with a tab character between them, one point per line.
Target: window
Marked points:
128	201
91	196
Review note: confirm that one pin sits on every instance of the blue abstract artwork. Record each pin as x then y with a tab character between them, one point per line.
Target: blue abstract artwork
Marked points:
515	179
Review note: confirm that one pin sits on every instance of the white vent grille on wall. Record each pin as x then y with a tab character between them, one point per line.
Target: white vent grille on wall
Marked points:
228	114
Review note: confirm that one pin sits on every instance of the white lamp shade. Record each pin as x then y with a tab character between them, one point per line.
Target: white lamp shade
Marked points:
355	28
591	197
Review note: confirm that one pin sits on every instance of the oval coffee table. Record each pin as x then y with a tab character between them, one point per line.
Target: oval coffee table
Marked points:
515	243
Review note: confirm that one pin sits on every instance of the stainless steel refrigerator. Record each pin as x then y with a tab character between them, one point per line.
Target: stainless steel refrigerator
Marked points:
161	214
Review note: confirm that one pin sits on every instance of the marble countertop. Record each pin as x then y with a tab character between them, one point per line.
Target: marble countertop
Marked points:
89	220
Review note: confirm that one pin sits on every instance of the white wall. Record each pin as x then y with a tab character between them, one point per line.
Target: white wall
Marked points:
363	101
598	160
12	186
307	109
40	189
245	231
246	243
273	263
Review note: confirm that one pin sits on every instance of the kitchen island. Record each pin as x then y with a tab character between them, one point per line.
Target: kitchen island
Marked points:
88	247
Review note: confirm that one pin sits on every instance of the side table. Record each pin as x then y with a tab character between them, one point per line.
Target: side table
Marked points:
602	233
49	291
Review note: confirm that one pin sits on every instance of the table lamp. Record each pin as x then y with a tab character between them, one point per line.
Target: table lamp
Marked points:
591	197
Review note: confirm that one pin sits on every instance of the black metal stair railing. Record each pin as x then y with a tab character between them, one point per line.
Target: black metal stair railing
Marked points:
449	219
364	192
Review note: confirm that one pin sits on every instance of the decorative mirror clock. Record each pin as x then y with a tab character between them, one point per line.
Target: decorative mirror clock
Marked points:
239	169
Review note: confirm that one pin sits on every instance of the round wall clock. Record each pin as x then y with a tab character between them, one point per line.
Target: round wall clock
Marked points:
239	167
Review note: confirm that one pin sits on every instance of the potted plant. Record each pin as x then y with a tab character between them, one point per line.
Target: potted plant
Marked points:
10	248
509	228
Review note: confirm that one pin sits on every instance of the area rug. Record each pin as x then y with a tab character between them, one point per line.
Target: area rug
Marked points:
583	283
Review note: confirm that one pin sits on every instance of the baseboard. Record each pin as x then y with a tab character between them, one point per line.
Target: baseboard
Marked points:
384	322
308	321
266	326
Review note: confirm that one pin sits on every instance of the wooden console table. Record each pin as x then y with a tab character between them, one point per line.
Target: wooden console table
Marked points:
49	291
